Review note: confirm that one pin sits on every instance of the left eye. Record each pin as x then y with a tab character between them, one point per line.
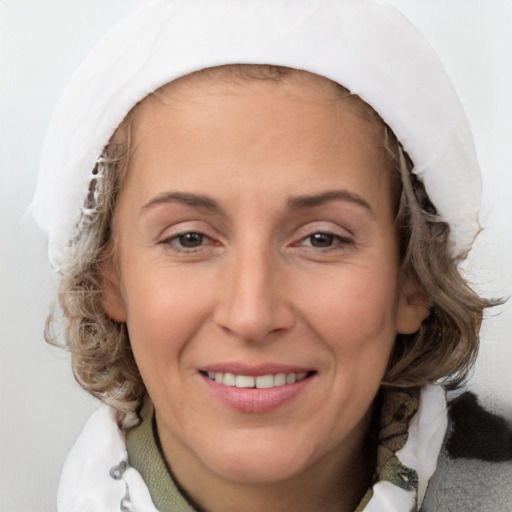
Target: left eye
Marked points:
323	240
191	240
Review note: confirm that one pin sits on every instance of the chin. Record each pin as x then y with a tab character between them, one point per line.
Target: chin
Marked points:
258	462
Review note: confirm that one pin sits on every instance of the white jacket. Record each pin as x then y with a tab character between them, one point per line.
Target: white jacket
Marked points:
98	478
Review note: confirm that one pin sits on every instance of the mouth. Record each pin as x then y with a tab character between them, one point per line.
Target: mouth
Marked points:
256	391
258	382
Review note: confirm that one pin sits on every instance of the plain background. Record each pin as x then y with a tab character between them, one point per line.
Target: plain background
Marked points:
41	44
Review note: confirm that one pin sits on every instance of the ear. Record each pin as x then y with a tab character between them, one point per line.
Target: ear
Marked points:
413	307
113	300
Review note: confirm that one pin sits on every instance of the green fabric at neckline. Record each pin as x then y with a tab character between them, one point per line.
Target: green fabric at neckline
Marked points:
145	457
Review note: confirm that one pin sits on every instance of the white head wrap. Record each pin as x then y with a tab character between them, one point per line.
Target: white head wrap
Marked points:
365	45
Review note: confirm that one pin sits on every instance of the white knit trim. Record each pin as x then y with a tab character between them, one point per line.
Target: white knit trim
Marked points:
426	434
390	498
95	476
420	452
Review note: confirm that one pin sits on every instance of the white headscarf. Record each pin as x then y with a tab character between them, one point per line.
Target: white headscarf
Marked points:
365	45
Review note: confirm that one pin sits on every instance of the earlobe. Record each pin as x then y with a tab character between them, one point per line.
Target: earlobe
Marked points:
113	300
413	307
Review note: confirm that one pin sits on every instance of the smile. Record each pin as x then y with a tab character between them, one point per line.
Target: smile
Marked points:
260	382
264	392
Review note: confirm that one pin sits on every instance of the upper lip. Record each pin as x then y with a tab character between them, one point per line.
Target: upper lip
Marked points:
255	370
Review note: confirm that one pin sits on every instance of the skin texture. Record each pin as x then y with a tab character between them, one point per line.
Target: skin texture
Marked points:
256	288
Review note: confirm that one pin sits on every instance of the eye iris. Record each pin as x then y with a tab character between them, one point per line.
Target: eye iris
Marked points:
322	240
191	240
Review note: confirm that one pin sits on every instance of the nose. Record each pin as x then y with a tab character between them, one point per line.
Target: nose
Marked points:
253	304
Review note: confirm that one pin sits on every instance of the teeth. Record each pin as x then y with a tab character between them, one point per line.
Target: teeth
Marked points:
265	381
244	381
280	379
291	378
229	379
260	382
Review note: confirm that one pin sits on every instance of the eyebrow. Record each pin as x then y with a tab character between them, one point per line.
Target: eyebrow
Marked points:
294	203
195	200
310	201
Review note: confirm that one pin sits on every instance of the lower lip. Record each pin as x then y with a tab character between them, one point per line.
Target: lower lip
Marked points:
255	400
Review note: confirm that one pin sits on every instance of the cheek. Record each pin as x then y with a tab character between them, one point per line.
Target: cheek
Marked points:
164	310
355	321
355	306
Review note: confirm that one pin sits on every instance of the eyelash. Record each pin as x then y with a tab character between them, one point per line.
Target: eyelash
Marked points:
336	242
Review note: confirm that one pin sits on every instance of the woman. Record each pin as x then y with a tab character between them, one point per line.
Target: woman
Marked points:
258	242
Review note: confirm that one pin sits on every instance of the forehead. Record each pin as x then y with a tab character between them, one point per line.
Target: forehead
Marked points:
270	83
214	125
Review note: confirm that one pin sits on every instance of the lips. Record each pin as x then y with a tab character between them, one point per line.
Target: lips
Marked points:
256	389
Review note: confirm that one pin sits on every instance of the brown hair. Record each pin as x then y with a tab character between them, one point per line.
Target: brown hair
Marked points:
445	346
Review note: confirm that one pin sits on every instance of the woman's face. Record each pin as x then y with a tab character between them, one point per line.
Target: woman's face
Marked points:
256	247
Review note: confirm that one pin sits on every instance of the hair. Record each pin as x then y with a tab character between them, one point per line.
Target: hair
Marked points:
445	347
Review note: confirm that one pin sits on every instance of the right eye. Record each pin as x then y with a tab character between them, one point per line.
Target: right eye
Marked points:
186	241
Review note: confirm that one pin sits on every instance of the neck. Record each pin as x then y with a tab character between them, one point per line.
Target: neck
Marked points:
335	483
